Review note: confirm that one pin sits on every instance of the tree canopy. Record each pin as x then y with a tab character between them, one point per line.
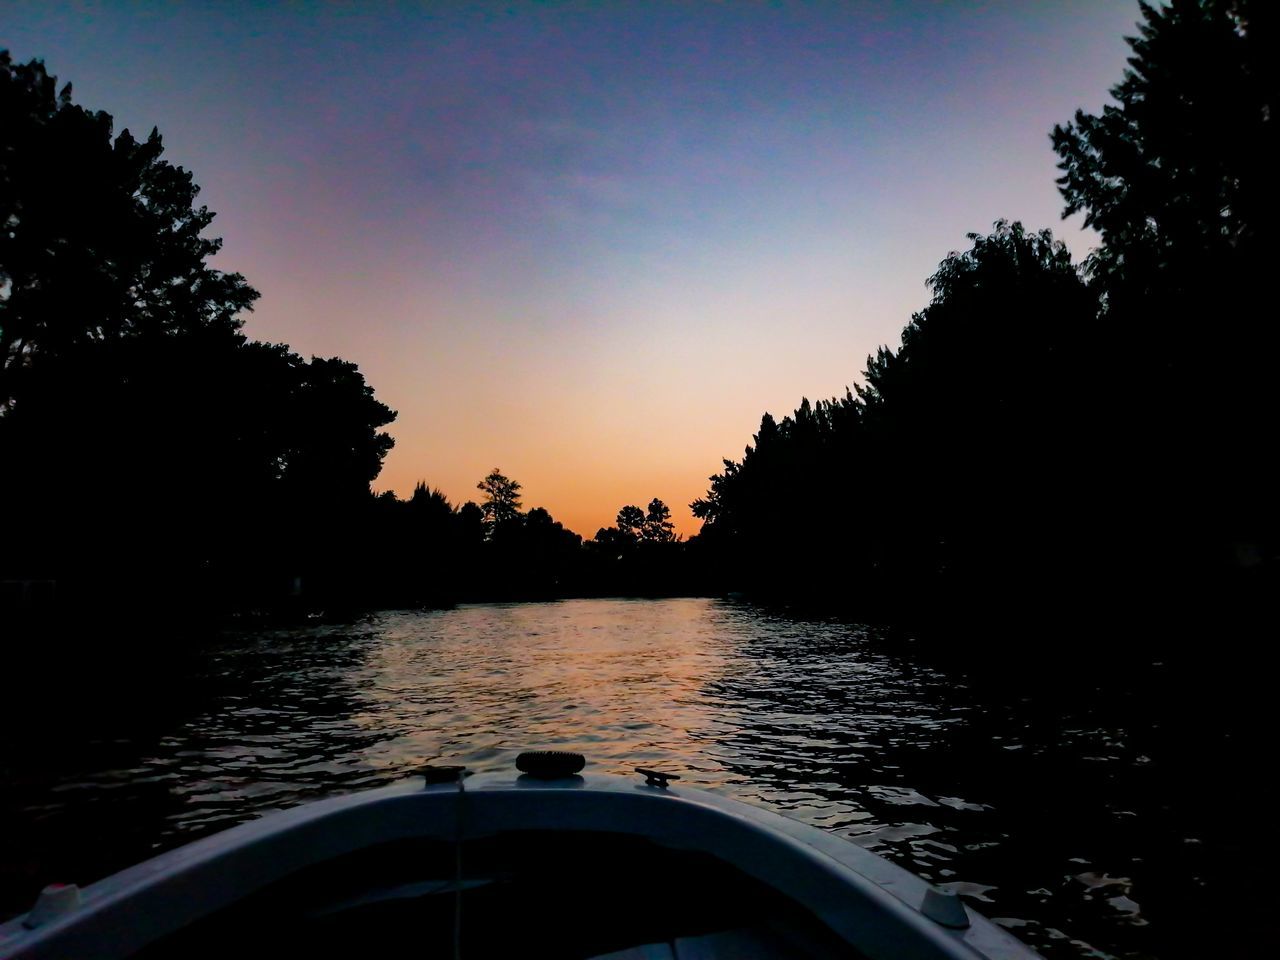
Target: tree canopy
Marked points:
102	238
657	526
1047	430
501	504
927	473
1178	177
124	371
630	521
1178	174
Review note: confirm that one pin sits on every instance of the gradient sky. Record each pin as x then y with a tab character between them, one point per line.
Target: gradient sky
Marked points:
592	243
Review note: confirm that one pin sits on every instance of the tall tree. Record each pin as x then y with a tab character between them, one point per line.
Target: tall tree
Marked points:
471	521
1046	434
431	505
1179	173
930	473
630	521
102	238
122	359
501	504
657	527
337	449
1178	176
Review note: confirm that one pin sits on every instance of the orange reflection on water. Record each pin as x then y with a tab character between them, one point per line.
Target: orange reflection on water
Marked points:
621	682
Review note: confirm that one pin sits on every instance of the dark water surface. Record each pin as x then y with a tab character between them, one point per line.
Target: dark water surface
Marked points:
1090	820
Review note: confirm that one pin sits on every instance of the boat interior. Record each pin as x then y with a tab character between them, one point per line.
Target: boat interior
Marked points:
552	894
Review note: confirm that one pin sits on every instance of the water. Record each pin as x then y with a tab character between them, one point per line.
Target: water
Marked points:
1090	823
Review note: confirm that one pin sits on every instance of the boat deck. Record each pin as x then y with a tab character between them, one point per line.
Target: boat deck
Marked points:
580	867
571	895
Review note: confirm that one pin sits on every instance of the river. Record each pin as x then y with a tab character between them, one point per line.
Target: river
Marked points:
1077	817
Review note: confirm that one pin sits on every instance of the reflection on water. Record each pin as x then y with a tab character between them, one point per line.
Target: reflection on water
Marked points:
1060	819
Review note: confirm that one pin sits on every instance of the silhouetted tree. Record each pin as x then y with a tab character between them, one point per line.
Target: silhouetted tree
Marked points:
102	238
426	553
657	526
428	502
1042	442
951	443
501	504
641	556
1179	178
550	551
471	515
336	449
630	523
612	542
219	464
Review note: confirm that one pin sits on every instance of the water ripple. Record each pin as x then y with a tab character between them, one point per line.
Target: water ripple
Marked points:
997	802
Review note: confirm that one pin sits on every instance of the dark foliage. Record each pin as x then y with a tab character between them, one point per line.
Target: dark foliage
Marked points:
1055	439
643	556
1179	178
153	456
959	445
430	554
101	239
501	506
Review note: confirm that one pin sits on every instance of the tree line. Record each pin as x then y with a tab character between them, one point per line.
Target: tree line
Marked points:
153	455
1057	439
432	553
155	458
1051	438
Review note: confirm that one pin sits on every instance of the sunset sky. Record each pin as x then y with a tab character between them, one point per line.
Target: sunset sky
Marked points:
591	243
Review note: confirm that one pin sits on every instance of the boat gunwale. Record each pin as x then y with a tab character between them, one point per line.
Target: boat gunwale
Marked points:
870	903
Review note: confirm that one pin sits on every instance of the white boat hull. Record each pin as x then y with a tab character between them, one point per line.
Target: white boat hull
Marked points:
872	906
